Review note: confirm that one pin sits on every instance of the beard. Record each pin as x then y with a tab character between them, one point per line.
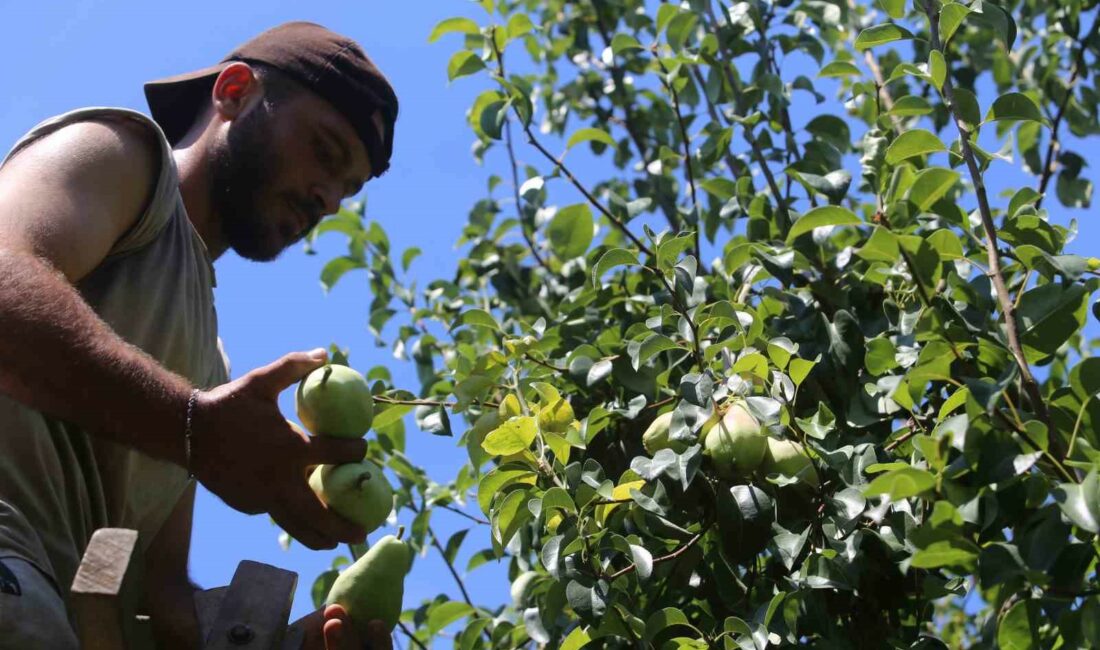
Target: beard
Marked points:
241	167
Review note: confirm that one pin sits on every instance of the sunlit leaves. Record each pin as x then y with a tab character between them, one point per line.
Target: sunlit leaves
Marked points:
917	142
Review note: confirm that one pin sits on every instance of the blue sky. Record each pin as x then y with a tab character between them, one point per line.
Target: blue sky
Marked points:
61	56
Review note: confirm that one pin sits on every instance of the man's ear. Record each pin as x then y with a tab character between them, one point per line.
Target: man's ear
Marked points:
236	88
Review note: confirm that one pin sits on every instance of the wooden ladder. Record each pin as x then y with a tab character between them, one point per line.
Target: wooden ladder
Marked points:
250	613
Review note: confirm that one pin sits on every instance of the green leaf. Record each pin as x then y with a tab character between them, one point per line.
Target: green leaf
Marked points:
880	356
1081	503
829	215
721	188
336	268
967	108
570	231
625	43
917	142
512	437
894	8
931	185
518	25
881	246
478	318
443	614
584	135
937	69
999	20
952	16
451	25
1019	629
911	106
951	552
1015	107
498	479
1048	316
576	640
664	619
611	259
463	63
840	69
800	369
880	35
902	483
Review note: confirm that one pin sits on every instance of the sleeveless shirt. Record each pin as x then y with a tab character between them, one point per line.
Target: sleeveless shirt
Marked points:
58	484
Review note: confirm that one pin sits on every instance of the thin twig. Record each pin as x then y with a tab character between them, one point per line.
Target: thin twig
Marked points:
451	566
1054	145
409	634
618	223
664	558
687	154
1031	387
545	364
754	144
519	204
382	399
459	511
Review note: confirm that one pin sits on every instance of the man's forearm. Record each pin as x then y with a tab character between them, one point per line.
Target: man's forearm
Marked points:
57	356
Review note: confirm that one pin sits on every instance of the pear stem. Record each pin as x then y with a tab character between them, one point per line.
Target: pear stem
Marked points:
325	374
400	532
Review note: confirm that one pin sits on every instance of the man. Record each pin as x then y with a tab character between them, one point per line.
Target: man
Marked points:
114	394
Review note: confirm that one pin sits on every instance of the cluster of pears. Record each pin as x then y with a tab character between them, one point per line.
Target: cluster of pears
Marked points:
733	440
335	400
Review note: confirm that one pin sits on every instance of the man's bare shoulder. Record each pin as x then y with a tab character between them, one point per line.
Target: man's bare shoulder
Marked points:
80	187
97	147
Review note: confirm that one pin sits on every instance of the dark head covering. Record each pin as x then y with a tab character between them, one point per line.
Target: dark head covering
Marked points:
332	66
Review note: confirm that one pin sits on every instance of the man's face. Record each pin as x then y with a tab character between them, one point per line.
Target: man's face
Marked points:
280	168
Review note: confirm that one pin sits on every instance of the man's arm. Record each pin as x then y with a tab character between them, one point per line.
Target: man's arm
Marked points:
64	201
169	590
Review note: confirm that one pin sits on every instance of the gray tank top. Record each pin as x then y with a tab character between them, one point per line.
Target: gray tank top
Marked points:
59	484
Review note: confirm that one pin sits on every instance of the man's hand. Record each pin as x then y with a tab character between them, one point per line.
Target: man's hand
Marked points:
329	628
244	451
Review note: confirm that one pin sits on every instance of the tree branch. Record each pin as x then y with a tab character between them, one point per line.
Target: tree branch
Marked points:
409	634
458	511
687	154
664	558
519	204
1054	144
618	223
451	566
754	144
1031	387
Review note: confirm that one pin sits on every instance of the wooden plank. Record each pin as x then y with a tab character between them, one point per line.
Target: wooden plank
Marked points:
105	591
255	609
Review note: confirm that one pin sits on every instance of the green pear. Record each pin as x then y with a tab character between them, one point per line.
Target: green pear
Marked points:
335	400
735	443
373	587
358	491
655	437
788	458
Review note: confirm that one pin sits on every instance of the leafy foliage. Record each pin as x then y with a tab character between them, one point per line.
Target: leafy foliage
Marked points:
915	340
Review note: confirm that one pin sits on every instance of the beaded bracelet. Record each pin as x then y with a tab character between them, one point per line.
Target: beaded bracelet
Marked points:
187	433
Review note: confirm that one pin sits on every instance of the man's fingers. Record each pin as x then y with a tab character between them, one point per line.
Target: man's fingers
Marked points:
306	506
304	533
276	376
330	450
